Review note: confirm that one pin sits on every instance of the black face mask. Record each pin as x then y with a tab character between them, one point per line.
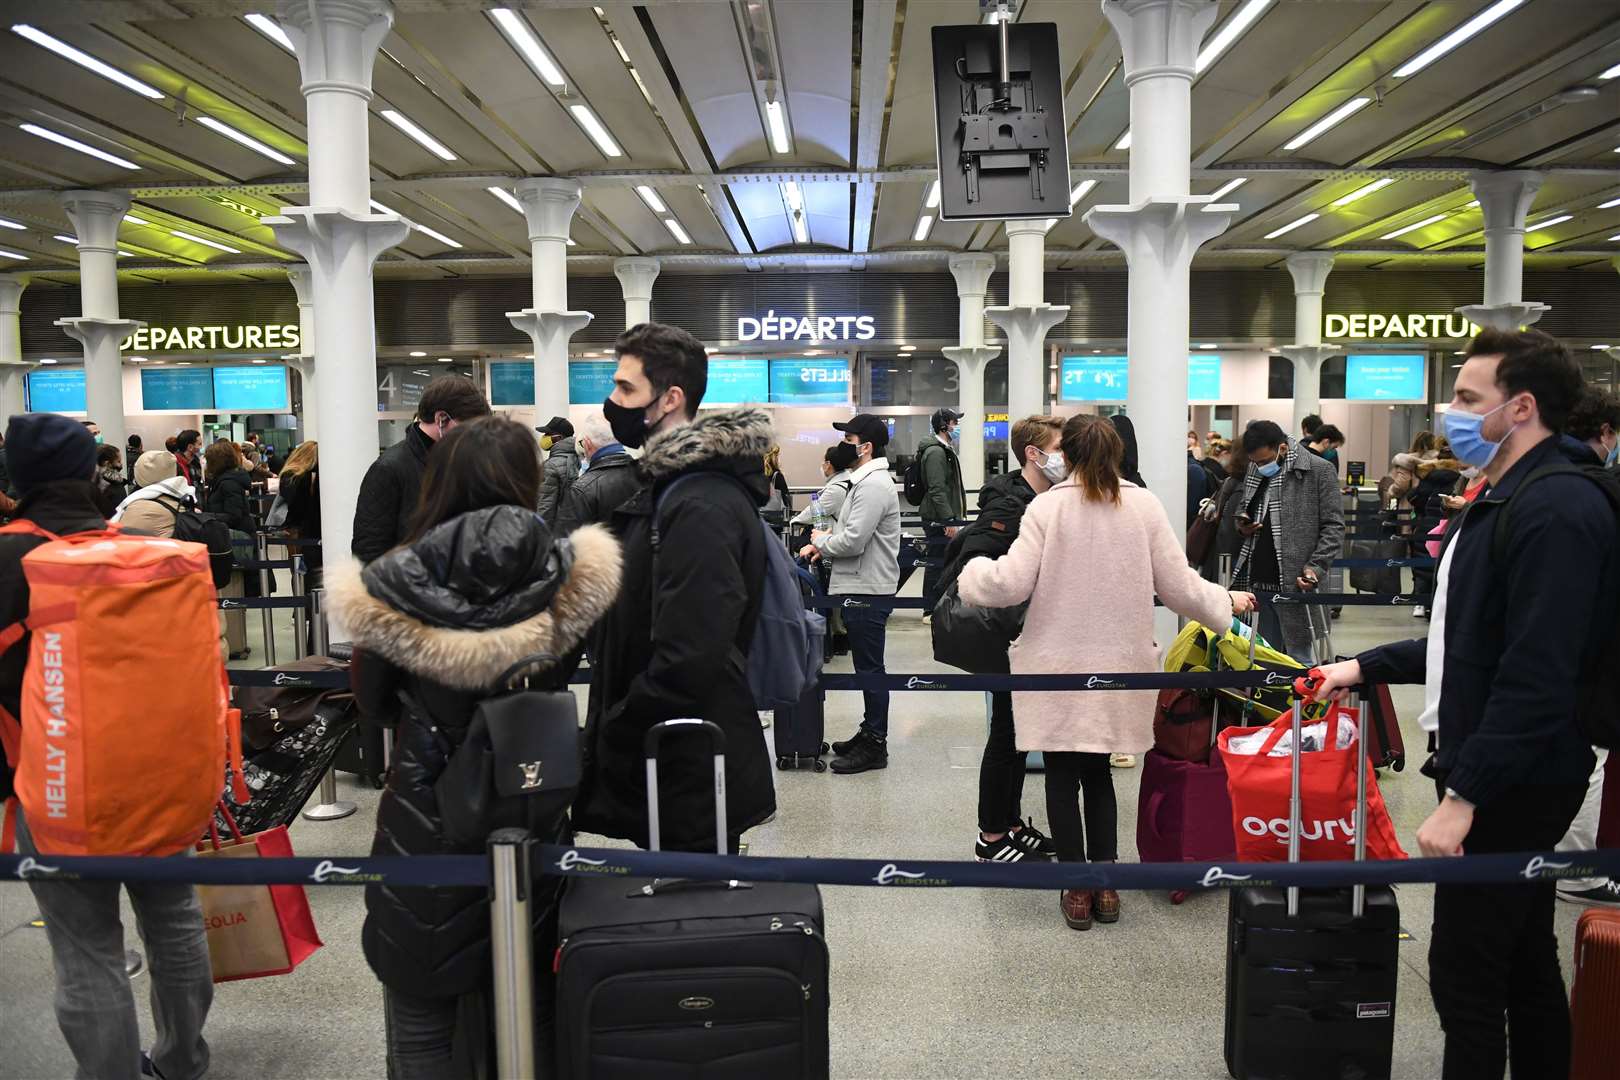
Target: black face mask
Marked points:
629	422
842	456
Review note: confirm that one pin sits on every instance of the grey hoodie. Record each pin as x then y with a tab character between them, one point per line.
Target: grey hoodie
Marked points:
864	545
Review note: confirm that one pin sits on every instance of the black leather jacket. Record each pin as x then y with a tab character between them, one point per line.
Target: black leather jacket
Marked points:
438	622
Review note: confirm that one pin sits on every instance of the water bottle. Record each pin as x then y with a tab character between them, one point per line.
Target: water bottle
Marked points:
819	521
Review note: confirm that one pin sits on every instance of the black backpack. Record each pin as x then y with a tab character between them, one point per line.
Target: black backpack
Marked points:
212	531
1599	688
915	487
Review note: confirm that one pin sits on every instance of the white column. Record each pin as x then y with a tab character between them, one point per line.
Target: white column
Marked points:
1310	271
1026	318
549	203
338	236
1160	231
1504	200
636	277
12	368
302	279
96	216
972	273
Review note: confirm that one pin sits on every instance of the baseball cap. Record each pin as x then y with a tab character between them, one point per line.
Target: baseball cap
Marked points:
867	428
942	417
557	427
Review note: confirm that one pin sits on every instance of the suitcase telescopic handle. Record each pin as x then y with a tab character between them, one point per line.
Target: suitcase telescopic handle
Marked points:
1358	893
717	743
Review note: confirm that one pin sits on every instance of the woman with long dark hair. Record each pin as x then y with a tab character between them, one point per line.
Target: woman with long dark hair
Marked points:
479	586
1091	554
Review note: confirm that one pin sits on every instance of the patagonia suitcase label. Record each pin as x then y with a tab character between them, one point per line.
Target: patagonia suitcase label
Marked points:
1374	1010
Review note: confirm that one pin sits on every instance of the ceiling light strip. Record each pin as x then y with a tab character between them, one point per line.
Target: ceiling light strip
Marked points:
1291	226
596	130
1228	34
419	135
1549	223
1403	230
924	224
776	121
271	29
203	240
7	223
676	231
245	140
650	197
506	197
523	39
75	144
931	200
1456	37
1331	120
1363	191
86	61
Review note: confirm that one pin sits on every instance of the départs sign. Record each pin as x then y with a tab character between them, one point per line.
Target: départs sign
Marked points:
1397	327
774	327
273	336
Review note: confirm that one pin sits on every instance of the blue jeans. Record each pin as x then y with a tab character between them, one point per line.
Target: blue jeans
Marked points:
95	1007
867	628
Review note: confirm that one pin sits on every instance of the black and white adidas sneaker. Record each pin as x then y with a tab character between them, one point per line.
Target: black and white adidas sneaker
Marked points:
1005	850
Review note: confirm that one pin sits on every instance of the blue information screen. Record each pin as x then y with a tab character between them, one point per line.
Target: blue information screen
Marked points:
1384	377
810	381
57	390
190	389
995	430
1095	378
251	388
737	380
1203	377
511	382
590	381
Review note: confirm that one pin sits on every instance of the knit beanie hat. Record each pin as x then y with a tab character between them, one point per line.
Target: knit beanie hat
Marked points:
42	448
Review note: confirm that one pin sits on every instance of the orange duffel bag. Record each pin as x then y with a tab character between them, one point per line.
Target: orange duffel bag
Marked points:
125	725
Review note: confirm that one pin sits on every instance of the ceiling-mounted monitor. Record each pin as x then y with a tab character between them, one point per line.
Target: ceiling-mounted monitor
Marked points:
1002	142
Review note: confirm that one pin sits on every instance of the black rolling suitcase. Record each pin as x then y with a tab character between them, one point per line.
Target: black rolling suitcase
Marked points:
1310	994
724	981
800	733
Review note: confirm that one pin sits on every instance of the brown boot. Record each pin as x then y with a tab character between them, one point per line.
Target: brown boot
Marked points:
1076	907
1106	906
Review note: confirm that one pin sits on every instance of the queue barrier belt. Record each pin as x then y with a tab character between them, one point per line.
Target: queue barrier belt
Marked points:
259	603
265	564
472	871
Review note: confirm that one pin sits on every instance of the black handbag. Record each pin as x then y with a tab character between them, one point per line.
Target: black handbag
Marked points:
973	638
519	764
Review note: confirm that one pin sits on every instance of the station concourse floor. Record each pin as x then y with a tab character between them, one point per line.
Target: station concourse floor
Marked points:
925	983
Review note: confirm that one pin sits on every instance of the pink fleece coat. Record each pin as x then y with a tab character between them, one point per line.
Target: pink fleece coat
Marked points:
1090	571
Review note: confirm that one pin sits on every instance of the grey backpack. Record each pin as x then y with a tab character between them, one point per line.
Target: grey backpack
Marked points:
784	661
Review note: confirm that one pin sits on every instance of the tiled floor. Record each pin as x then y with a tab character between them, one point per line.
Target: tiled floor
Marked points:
947	983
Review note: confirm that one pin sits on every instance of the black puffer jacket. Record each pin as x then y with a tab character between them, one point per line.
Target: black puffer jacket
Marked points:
440	621
706	590
388	494
600	490
557	476
302	494
228	496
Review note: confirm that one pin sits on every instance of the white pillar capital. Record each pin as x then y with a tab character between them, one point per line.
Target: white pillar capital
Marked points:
972	271
11	290
327	238
1167	230
94	333
1160	37
336	41
549	332
636	277
302	279
96	216
1310	354
971	360
1505	197
548	205
1310	270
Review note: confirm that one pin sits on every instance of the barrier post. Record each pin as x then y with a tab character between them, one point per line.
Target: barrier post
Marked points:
512	953
300	614
261	551
330	808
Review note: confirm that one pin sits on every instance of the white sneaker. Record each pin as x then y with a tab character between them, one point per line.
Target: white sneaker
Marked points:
1419	611
1606	894
1122	761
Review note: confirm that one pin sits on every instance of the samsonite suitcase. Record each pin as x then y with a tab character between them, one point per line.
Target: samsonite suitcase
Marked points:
724	981
1311	973
799	733
1594	1003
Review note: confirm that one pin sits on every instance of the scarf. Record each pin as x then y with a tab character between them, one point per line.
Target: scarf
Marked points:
1271	514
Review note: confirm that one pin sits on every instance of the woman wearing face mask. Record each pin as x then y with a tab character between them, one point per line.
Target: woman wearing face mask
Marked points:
111	486
1092	552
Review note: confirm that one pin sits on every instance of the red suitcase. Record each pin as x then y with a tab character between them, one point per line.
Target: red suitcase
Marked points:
1594	1003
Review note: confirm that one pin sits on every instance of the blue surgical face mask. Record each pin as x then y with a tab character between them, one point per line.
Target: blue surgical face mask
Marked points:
1269	469
1614	455
1468	443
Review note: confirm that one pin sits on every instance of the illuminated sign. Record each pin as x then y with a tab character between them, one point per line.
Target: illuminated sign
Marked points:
774	327
1384	378
261	388
278	336
1396	327
811	381
58	390
1108	378
737	380
182	389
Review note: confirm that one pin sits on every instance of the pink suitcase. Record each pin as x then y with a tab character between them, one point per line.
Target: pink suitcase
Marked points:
1183	813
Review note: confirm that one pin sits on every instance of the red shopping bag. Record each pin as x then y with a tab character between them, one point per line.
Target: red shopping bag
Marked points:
1260	786
254	930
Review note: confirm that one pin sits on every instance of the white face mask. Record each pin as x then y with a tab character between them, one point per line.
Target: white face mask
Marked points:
1053	466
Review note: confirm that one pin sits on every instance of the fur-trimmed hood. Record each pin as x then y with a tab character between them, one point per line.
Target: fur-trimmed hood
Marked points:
472	659
711	438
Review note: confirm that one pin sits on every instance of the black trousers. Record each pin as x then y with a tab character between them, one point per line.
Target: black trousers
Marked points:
1493	952
1068	774
1001	770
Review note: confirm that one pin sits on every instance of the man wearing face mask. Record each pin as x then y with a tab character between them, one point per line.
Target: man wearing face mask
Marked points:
562	464
676	641
864	546
1519	629
393	483
945	501
1290	520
